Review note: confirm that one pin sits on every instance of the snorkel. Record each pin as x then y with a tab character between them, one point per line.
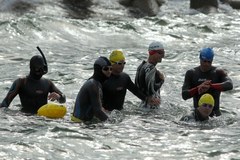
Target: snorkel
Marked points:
45	68
38	65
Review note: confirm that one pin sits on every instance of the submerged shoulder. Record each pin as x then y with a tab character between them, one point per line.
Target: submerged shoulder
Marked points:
189	117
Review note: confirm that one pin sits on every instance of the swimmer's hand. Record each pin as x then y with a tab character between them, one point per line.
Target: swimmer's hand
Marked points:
53	96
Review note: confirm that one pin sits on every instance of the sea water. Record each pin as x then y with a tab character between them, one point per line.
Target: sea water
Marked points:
71	41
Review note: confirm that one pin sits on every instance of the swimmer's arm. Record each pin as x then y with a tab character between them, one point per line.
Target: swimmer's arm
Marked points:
14	90
187	91
96	103
135	90
56	94
226	84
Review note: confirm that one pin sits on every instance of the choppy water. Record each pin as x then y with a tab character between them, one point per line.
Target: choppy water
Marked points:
72	44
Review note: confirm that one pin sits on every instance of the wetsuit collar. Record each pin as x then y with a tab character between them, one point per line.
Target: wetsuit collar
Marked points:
116	75
152	63
34	77
207	70
99	76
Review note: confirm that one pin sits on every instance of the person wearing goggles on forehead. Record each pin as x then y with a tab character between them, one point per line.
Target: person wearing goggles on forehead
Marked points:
206	78
203	111
34	90
115	88
148	78
88	104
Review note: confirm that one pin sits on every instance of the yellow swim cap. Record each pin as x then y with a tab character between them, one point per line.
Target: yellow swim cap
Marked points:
207	99
116	56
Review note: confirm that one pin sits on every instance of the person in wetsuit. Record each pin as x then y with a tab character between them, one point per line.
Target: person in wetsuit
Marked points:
115	88
148	78
34	90
206	79
88	104
203	111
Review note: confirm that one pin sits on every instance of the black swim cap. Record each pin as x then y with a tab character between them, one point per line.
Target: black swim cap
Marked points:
37	67
36	60
98	65
101	62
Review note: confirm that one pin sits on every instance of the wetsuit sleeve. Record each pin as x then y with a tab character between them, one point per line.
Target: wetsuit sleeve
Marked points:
96	103
150	77
226	82
53	88
159	81
139	78
187	91
14	90
135	90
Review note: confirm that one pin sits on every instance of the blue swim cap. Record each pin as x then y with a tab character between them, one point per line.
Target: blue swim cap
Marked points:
206	54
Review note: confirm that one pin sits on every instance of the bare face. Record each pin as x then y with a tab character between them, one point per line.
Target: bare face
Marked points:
158	56
205	65
107	70
205	109
118	66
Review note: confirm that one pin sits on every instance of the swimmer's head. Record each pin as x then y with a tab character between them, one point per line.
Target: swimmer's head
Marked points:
37	67
102	66
206	54
155	47
206	105
116	56
101	62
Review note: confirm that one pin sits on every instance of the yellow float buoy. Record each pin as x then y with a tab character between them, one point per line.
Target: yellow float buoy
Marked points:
52	110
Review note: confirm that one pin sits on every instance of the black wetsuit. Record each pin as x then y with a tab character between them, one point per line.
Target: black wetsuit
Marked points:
195	77
148	80
114	91
33	93
89	102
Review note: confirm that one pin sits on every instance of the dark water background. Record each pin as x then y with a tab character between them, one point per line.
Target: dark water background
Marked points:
71	45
